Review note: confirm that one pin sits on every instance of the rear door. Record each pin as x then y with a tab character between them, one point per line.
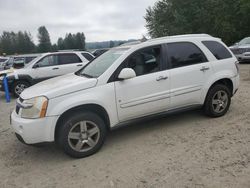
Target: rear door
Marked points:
189	71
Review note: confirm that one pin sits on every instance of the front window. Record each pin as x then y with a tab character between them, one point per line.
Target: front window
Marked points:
50	60
99	65
32	61
145	61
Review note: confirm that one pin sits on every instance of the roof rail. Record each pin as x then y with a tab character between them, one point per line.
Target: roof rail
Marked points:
180	36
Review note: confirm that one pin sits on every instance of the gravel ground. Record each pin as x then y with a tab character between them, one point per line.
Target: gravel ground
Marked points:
181	150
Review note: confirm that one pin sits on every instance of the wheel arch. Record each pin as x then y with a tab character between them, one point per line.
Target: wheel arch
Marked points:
223	81
95	108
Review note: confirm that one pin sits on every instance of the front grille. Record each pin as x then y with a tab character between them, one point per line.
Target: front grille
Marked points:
235	51
244	50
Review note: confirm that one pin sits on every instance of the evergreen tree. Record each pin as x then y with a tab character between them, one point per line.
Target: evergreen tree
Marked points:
79	41
44	40
60	43
111	44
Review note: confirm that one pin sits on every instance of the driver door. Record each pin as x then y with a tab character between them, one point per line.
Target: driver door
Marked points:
149	91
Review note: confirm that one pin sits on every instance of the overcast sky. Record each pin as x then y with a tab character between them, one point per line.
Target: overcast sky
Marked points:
100	20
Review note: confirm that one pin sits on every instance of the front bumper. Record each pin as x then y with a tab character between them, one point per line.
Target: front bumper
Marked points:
34	131
243	57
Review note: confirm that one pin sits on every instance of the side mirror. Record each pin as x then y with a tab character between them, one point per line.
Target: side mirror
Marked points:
126	73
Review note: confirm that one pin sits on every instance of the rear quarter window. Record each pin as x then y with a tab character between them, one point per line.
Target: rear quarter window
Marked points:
217	49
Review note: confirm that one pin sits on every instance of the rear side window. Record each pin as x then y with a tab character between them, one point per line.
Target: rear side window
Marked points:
68	59
184	54
217	49
87	56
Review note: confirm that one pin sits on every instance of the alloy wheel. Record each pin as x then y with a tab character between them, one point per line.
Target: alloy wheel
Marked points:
83	136
220	101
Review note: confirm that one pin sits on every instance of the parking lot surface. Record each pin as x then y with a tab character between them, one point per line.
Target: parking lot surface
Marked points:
181	150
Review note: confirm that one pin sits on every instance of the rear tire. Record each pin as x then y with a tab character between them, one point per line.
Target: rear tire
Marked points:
19	87
218	101
81	134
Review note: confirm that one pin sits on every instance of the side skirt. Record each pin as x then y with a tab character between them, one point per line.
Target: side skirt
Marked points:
153	116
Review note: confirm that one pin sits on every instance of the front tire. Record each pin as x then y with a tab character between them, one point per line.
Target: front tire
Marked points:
82	134
19	87
218	101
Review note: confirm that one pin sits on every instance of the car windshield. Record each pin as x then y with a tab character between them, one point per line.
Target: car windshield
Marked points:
31	62
245	41
99	65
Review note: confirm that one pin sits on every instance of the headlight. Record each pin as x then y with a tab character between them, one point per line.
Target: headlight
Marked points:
34	108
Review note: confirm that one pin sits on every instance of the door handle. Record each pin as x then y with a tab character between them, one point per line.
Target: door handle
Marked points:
80	65
161	78
203	69
56	68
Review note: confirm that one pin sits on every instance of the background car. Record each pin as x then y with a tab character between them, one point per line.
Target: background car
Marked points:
19	61
99	52
3	60
242	50
46	66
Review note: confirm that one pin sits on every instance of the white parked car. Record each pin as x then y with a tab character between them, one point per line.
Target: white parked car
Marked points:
46	66
127	83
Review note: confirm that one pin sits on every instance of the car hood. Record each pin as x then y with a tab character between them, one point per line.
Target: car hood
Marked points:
58	86
240	46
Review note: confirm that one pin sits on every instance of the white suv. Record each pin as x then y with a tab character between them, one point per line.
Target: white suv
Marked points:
127	83
46	66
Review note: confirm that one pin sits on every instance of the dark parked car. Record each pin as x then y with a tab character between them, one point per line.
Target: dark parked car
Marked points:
242	50
99	52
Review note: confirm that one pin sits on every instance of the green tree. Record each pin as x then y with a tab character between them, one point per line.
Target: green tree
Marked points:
227	19
44	40
24	43
69	42
111	44
60	43
79	39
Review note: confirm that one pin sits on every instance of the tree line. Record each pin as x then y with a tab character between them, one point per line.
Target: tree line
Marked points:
227	19
22	42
